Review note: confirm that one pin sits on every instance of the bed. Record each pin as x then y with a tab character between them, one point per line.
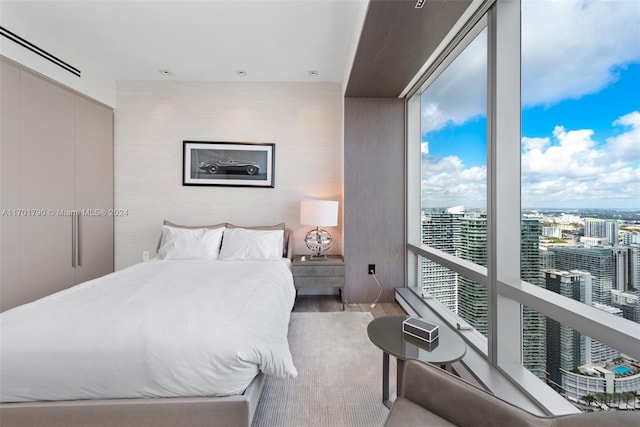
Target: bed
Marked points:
183	339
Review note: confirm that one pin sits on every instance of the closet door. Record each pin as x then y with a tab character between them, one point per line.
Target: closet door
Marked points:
56	187
47	181
9	186
94	189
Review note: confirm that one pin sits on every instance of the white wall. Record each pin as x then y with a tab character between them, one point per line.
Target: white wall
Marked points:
152	119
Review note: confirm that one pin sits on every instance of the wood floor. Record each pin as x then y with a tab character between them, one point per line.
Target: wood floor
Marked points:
326	303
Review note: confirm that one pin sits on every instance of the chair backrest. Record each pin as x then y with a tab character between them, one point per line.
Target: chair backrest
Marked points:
460	402
465	405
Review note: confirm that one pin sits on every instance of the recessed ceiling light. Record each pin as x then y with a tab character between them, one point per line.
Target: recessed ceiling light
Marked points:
420	3
313	73
165	72
241	73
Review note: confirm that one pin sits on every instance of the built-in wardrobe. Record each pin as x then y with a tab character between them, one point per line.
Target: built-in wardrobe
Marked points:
56	187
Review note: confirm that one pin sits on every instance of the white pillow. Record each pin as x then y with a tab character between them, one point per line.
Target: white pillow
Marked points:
241	244
190	243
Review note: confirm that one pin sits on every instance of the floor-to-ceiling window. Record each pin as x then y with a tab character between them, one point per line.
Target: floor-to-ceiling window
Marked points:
550	193
580	165
453	128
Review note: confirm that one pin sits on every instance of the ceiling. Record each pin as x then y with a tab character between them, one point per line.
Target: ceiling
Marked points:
396	40
195	40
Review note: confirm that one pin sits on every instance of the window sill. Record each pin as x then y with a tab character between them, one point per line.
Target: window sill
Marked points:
523	389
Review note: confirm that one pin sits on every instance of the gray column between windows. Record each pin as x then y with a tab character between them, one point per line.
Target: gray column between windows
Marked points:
413	168
503	166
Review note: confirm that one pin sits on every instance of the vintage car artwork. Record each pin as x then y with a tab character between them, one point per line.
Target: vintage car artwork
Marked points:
230	166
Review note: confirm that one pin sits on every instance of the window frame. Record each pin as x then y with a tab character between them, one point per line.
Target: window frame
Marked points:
507	293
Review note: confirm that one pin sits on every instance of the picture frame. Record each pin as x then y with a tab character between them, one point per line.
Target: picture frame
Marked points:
229	164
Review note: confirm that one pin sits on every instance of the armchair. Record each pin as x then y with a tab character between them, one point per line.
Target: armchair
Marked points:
433	397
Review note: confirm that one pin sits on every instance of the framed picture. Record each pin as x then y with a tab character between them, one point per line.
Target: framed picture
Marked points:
228	164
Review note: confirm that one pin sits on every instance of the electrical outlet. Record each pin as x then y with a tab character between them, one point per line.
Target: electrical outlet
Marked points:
372	269
145	255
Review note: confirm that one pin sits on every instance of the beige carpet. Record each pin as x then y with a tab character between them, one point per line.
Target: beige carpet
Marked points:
339	379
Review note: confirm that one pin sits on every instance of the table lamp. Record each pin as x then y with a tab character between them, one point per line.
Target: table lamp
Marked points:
319	213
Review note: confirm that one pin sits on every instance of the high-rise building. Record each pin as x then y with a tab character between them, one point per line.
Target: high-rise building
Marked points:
552	232
466	236
621	267
596	351
594	227
547	259
592	242
588	275
597	261
472	297
441	230
628	303
634	268
626	293
630	239
566	348
533	323
530	231
611	231
607	229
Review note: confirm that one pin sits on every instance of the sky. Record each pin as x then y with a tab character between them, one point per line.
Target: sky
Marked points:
580	111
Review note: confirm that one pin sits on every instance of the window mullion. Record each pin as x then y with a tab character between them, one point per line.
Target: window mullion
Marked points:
503	164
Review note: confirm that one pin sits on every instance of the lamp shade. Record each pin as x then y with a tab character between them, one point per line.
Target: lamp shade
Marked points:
319	213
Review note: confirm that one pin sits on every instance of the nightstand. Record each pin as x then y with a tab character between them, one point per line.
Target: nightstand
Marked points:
319	274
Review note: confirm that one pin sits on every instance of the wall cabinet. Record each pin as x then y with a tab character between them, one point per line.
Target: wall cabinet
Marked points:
56	193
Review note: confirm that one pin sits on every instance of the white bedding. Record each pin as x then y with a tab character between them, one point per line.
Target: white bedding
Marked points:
156	329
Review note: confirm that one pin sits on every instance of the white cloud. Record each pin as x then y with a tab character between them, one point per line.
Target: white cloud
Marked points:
571	48
572	156
626	144
460	93
432	117
446	182
529	144
424	147
568	169
573	169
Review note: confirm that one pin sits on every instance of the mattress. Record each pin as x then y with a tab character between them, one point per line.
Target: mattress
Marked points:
156	329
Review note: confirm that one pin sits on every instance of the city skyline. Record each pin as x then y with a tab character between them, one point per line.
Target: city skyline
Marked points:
604	276
580	121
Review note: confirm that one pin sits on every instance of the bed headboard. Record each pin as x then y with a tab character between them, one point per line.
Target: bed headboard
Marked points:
288	249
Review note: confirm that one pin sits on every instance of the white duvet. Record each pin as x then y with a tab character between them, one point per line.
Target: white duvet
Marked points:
156	329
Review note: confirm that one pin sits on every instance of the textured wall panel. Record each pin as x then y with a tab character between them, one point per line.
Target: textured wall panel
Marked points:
374	197
153	118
